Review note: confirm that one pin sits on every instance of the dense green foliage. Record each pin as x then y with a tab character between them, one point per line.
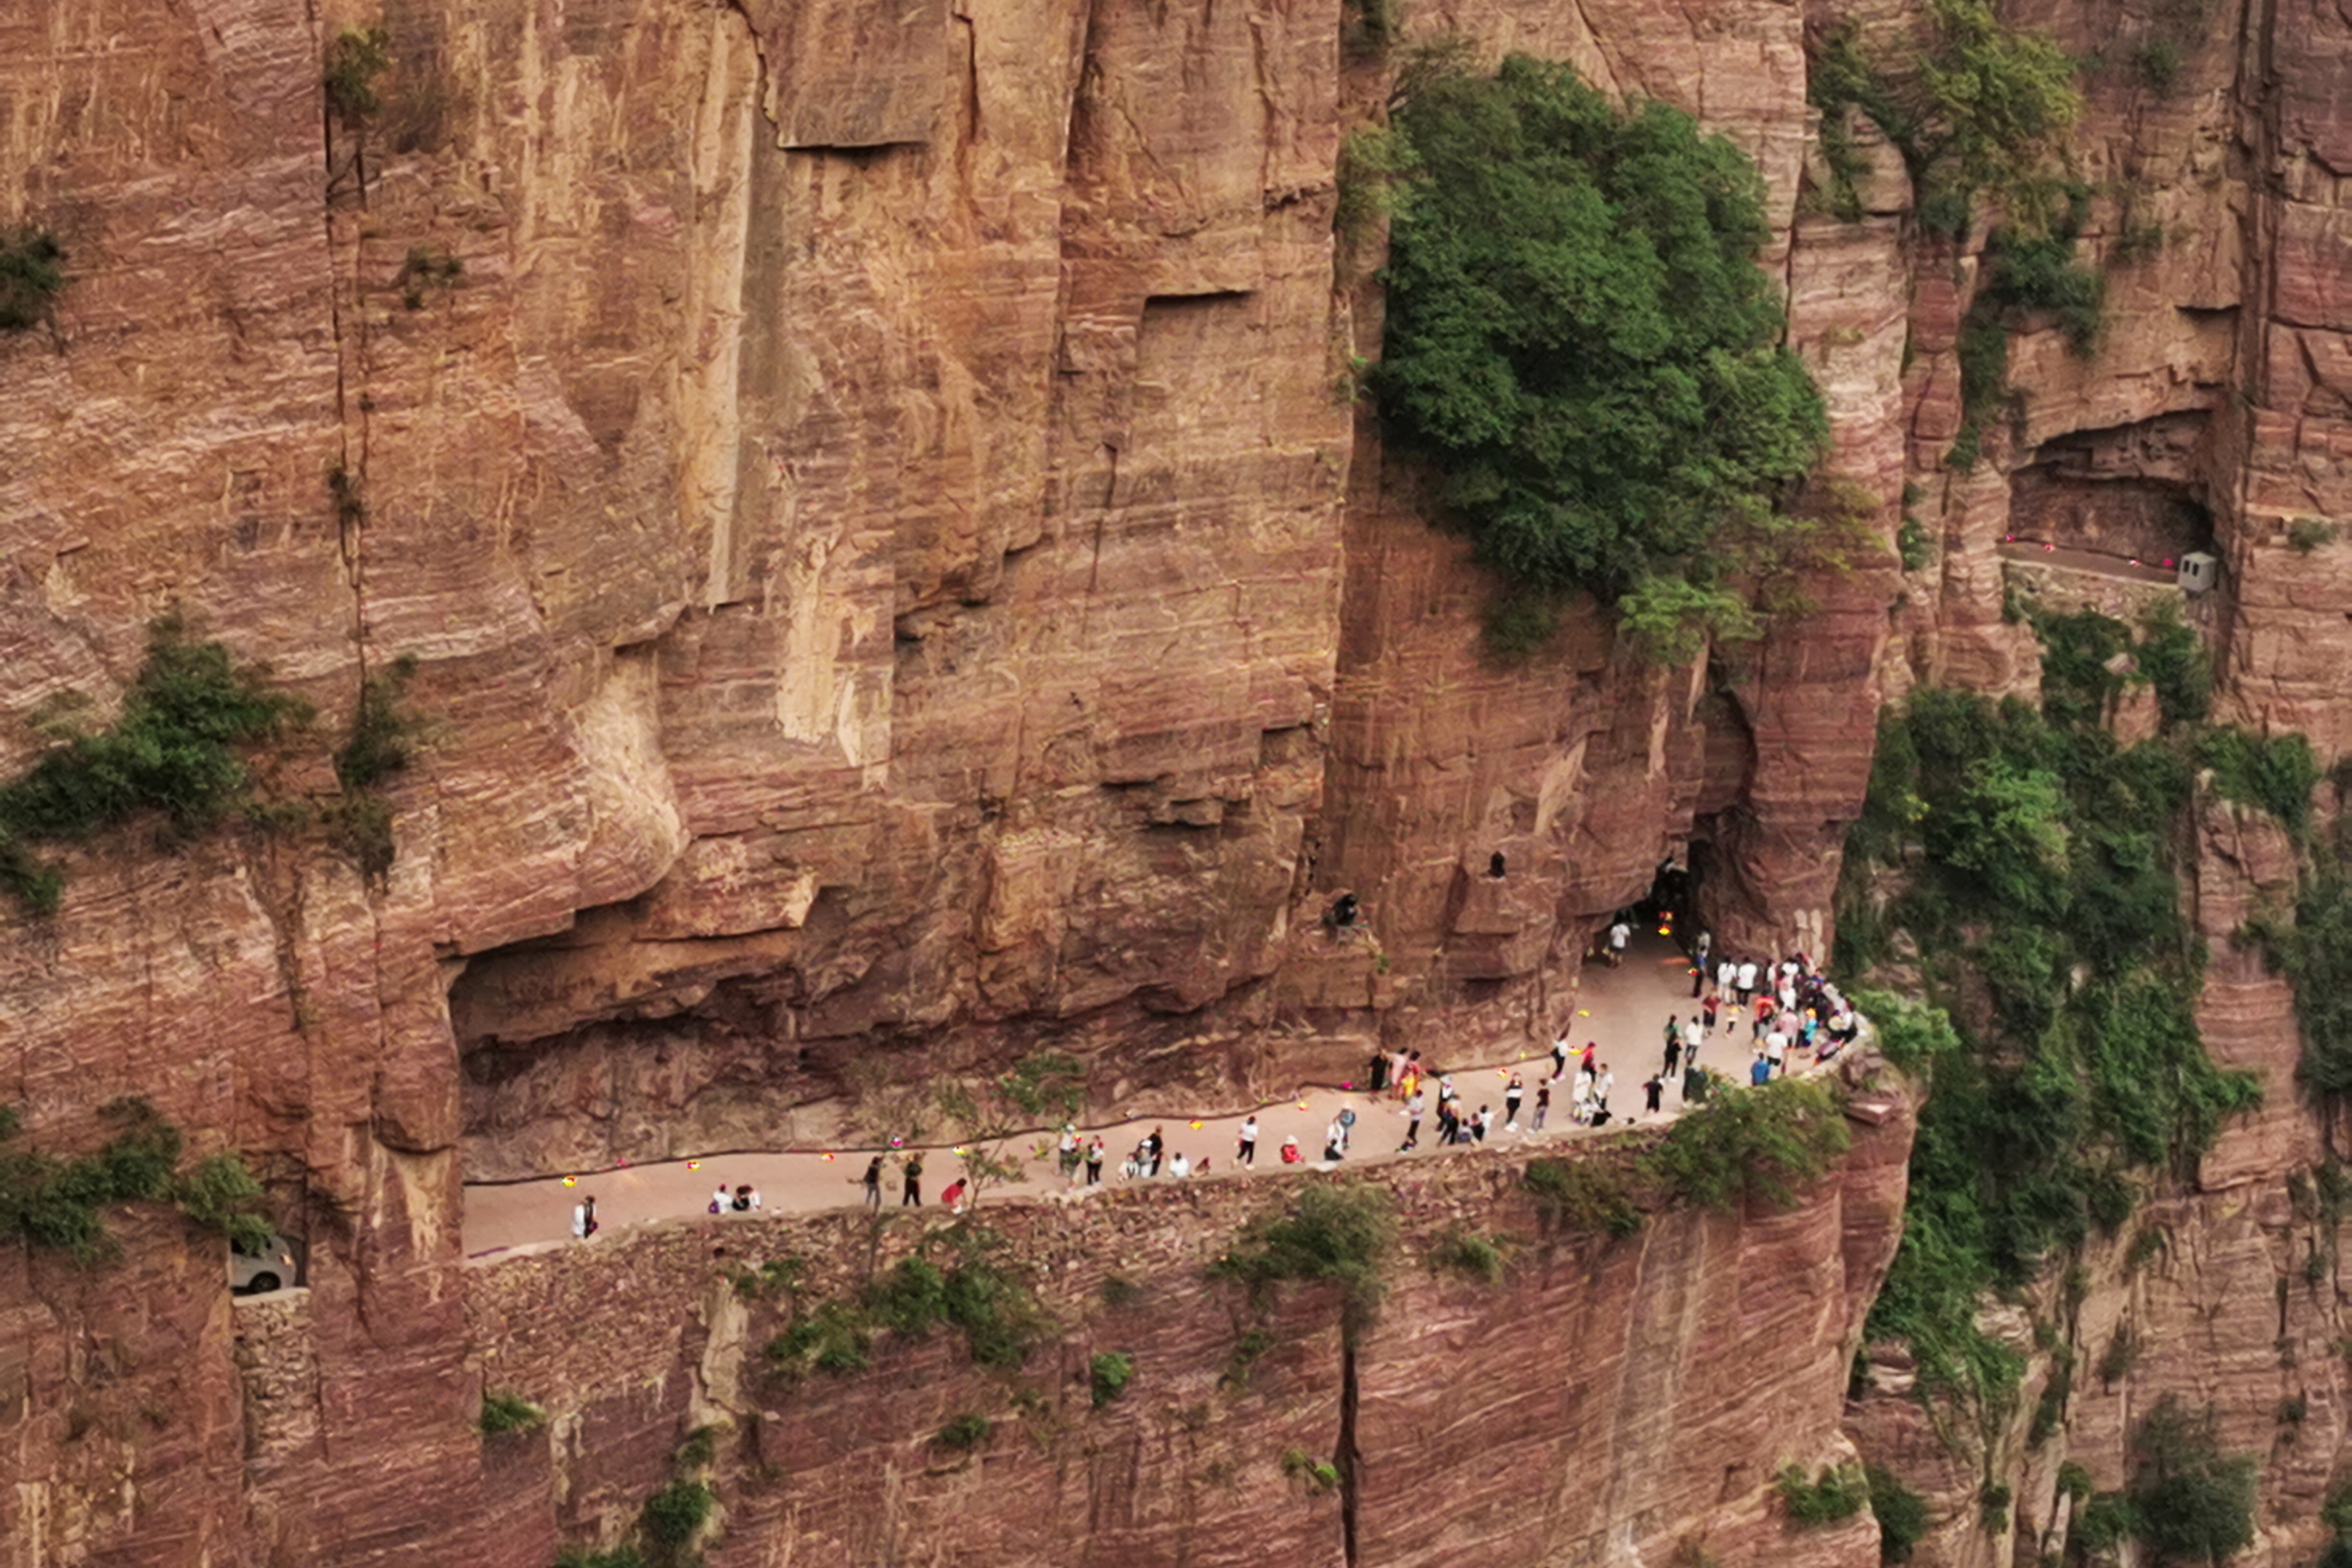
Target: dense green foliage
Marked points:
1335	1233
2030	278
1902	1513
996	1312
2274	775
1753	1144
503	1413
969	1430
1578	333
1980	109
30	277
174	753
45	1202
2317	954
672	1514
2038	887
1469	1254
1582	1196
1837	1494
1106	1376
354	60
2189	1502
48	1203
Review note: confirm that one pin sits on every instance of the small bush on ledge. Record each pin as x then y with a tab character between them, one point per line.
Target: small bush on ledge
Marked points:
1837	1494
30	277
504	1413
1578	338
1107	1377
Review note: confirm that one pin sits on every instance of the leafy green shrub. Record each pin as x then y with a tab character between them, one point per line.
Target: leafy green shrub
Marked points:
2306	535
698	1448
31	277
1902	1513
1320	1475
1980	108
2101	1525
672	1514
172	751
220	1195
1119	1291
2074	1480
1913	544
1992	1507
2189	1501
2137	241
354	60
2276	775
834	1338
1838	1493
45	1202
1577	333
969	1430
1106	1376
1751	1144
383	739
1336	1233
2038	274
424	272
2172	656
1468	1254
2034	859
2159	60
503	1413
1518	625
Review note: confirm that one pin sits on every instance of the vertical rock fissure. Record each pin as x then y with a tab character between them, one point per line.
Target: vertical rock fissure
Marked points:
1347	1456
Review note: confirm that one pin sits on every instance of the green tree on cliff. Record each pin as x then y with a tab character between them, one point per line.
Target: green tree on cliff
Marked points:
1580	336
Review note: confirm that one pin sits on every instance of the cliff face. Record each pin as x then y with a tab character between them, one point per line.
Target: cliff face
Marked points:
1606	1401
897	581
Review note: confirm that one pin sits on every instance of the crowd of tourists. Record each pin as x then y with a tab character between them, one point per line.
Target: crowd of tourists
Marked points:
1790	1010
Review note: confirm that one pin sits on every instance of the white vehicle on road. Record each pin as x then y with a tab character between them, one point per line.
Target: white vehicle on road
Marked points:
253	1273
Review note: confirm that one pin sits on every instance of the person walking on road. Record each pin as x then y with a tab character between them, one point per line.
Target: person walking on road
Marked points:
872	1181
1543	1103
1512	1092
913	1193
1412	1110
1603	1085
1247	1151
1095	1161
1558	1058
1619	934
1674	1055
584	1217
1651	1089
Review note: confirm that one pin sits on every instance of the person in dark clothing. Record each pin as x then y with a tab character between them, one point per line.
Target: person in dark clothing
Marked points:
1154	1146
1651	1089
1344	910
873	1183
1515	1092
1495	865
914	1193
1378	1069
1093	1161
1674	1055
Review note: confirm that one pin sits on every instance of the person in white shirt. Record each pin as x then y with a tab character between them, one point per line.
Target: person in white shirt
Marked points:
1601	1086
1179	1166
1248	1149
721	1199
1747	982
1618	936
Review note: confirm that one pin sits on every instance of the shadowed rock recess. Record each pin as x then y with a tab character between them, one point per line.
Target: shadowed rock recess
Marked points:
899	579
